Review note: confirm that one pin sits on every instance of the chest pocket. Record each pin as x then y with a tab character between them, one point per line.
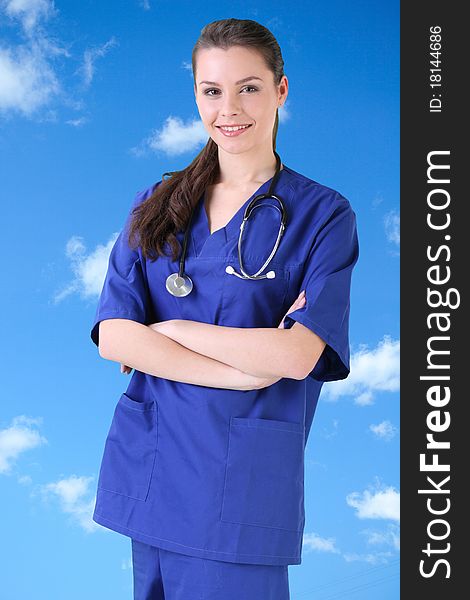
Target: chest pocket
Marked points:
254	303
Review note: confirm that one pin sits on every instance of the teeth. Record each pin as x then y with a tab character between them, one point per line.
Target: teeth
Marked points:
234	128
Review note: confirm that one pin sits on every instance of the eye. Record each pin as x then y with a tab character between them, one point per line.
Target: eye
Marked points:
207	92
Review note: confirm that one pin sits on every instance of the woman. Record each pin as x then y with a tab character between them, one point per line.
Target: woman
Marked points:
203	463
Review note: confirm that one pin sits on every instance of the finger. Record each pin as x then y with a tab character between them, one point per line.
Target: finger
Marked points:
297	302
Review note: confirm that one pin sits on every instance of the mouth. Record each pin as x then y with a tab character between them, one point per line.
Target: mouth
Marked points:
233	130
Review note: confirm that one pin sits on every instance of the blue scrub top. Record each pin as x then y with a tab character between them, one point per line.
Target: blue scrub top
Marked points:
212	472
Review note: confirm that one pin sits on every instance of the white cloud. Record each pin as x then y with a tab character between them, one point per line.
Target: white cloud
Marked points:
188	66
312	541
89	269
371	558
25	480
381	503
377	200
30	80
390	537
330	433
27	80
29	12
364	398
392	227
87	69
77	122
73	494
376	370
19	437
384	430
175	137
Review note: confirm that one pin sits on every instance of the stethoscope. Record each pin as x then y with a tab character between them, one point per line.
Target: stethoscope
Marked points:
180	284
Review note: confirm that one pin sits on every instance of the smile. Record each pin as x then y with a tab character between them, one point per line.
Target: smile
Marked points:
232	131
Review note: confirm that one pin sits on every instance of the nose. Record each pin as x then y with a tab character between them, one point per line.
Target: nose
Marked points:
230	105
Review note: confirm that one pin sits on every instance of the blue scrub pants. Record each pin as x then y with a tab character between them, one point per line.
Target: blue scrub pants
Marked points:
163	575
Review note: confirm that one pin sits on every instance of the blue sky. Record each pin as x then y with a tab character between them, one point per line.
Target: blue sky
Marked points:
96	102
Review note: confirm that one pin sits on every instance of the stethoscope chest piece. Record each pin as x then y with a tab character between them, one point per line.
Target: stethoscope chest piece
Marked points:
179	286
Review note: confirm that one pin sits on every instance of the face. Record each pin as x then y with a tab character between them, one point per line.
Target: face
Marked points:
235	87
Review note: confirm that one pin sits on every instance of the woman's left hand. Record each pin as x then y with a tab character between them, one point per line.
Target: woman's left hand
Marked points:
299	302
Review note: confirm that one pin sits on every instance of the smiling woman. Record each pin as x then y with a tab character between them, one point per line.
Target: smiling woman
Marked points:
245	108
203	464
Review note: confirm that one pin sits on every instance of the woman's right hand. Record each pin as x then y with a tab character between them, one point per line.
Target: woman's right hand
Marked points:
298	303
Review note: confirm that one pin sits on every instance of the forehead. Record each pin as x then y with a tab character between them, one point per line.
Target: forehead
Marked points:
229	66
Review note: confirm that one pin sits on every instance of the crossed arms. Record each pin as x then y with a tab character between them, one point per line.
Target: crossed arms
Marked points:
212	355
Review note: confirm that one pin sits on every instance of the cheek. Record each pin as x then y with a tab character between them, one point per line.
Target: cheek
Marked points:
260	107
207	111
203	112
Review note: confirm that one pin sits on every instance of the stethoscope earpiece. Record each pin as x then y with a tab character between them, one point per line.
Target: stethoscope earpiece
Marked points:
179	284
231	271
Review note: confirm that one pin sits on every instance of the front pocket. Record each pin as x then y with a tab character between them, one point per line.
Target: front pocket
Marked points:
130	449
254	303
264	476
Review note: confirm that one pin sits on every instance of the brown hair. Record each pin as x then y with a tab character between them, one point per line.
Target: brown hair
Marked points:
167	210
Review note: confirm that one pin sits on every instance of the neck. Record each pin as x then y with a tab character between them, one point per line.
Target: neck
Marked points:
237	170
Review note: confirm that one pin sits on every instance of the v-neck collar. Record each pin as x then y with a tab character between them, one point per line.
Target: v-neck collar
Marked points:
200	233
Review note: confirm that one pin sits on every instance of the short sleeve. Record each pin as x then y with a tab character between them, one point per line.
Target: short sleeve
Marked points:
327	282
125	292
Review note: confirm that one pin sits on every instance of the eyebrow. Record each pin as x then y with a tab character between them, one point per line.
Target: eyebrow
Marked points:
236	83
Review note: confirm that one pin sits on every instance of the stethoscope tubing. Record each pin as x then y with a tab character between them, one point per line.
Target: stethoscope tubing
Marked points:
280	233
179	284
